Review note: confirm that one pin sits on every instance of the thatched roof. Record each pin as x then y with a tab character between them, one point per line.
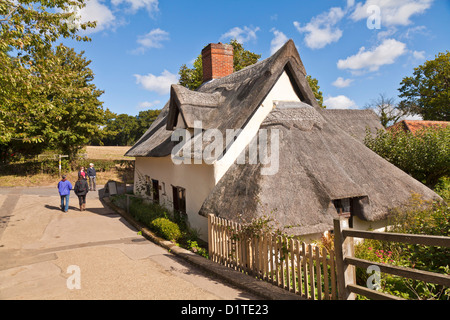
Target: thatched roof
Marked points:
225	103
355	122
321	155
317	165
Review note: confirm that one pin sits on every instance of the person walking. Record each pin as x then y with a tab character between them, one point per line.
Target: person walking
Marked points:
82	173
92	175
81	189
64	187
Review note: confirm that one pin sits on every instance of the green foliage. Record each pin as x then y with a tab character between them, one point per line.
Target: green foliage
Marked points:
192	78
35	78
415	219
442	188
242	58
314	84
427	92
425	155
125	130
196	248
166	228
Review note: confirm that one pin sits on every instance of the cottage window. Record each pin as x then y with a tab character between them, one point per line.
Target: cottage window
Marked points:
344	208
155	191
179	200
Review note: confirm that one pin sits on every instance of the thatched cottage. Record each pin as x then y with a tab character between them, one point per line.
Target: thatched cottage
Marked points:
322	168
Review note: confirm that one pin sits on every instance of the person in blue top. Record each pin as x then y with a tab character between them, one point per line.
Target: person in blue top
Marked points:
64	187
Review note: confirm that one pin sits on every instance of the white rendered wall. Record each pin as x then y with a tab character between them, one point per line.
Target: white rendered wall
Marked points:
197	179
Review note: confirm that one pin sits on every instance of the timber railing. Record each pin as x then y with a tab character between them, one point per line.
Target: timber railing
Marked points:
346	261
304	269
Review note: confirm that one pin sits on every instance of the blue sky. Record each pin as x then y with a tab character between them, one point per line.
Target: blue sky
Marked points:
356	49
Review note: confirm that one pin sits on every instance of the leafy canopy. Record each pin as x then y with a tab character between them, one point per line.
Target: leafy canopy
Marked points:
427	92
425	155
125	130
47	98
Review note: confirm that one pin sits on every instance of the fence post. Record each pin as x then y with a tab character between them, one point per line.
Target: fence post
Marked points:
344	248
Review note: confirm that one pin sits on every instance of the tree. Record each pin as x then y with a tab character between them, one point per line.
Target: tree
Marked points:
144	121
74	115
314	84
78	113
125	130
120	130
427	92
28	29
425	155
193	78
387	110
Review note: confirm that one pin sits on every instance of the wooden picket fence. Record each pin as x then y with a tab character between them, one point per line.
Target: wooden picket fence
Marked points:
301	268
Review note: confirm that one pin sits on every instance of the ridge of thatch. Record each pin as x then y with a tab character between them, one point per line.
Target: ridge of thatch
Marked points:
232	100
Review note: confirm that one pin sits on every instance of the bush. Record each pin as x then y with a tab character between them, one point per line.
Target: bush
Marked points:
146	212
425	155
166	228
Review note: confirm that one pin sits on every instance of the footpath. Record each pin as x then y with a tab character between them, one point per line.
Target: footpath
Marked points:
98	254
260	288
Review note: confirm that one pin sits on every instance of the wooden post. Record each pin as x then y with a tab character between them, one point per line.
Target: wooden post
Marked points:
346	274
59	163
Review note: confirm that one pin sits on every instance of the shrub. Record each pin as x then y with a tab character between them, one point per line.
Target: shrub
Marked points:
166	228
146	212
424	155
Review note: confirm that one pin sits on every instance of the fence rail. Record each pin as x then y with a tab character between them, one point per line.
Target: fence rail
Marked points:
301	268
346	261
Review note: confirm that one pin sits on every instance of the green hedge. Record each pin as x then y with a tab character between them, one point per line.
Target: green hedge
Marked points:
166	228
51	166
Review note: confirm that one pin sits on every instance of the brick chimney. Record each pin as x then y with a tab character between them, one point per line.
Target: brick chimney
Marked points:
217	60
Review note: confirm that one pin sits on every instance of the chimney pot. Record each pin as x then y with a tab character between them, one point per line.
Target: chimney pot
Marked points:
217	60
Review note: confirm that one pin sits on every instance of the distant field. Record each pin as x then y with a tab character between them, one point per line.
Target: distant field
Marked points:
107	153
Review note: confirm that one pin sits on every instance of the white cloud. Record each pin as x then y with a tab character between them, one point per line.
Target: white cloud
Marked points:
134	5
102	14
159	84
98	12
153	39
342	83
322	30
242	35
372	60
278	41
413	117
393	12
145	105
339	102
419	55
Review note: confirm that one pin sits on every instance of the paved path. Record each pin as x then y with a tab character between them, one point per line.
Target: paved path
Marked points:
96	254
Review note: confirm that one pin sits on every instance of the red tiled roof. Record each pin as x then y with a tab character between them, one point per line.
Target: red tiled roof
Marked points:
414	125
